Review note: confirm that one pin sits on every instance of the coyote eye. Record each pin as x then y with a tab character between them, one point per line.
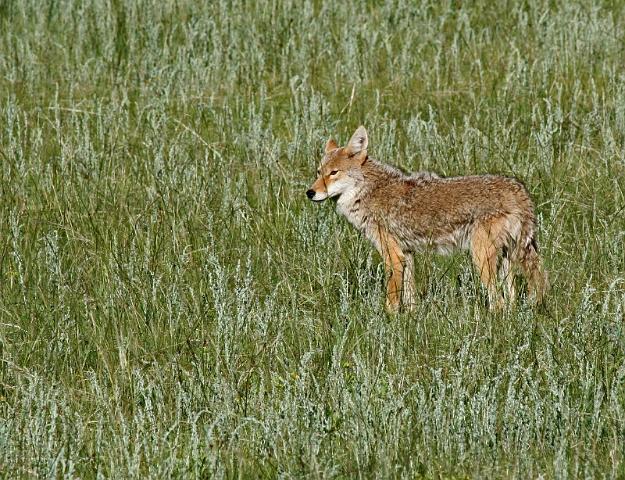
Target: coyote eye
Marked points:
318	172
333	172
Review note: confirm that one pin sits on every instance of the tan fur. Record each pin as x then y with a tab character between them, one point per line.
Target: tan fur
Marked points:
400	214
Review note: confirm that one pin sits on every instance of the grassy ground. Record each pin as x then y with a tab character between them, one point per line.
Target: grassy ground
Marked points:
171	305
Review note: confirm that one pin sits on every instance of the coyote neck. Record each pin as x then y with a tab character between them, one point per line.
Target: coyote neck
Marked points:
350	205
353	203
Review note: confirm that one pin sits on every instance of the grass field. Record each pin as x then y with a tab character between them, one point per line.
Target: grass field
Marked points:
172	306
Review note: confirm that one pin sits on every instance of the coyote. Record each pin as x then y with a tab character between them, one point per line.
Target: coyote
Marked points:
400	214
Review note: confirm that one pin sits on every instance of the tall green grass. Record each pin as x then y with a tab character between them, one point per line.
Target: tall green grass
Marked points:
171	305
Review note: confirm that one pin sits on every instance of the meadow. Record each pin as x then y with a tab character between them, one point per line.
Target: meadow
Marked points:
172	305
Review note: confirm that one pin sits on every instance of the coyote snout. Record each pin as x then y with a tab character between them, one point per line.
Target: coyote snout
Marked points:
400	214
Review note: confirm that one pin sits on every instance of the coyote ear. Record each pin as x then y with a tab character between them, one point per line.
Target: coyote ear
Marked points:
359	141
331	145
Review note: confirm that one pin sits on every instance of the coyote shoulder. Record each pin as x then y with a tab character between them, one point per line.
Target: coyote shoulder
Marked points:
400	214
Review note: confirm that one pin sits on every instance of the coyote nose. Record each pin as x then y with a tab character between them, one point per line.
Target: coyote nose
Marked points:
310	194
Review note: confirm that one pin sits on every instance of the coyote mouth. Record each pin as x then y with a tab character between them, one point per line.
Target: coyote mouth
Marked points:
311	194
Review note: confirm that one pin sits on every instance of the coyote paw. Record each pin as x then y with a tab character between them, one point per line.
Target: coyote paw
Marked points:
392	307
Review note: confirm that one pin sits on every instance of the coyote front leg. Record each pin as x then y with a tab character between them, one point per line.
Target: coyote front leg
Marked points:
409	292
394	262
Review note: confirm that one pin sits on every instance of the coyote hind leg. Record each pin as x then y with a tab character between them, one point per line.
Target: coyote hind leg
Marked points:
506	276
484	250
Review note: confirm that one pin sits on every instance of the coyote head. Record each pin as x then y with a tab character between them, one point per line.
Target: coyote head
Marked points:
340	167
